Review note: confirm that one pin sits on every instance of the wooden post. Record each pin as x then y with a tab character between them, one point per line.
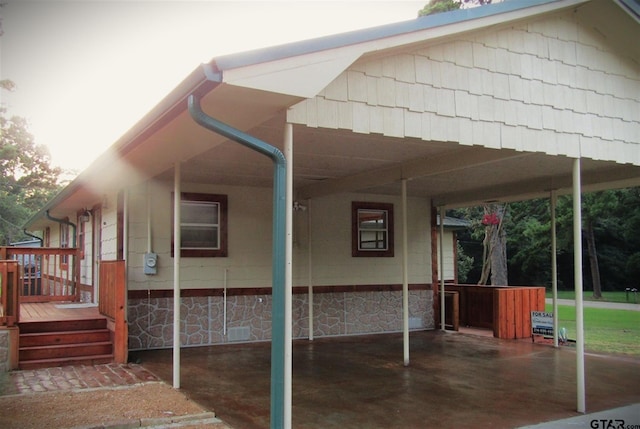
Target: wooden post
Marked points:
120	350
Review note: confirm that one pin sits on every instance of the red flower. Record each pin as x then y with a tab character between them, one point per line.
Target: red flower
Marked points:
490	219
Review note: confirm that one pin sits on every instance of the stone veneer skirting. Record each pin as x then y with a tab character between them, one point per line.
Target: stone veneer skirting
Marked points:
345	311
4	350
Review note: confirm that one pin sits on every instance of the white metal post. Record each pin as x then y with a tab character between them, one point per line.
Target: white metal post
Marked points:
405	274
310	270
441	273
176	276
577	269
554	267
288	277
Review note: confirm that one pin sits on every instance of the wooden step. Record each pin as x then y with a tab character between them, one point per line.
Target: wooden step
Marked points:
65	350
62	325
35	339
65	342
77	360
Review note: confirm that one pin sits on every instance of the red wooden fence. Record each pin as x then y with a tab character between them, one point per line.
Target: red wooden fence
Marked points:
504	309
9	280
112	304
48	274
512	310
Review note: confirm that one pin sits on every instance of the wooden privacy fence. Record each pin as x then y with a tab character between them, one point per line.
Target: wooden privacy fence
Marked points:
9	306
47	274
512	310
112	305
504	309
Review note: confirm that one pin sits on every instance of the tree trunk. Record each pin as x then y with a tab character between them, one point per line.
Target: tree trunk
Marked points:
494	257
499	254
593	261
486	256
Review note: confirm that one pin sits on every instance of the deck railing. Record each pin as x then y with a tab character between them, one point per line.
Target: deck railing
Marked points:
9	307
46	274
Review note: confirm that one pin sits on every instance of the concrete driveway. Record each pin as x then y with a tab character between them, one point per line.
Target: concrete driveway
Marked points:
454	380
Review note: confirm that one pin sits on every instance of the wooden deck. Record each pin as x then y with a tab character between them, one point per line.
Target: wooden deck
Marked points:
51	311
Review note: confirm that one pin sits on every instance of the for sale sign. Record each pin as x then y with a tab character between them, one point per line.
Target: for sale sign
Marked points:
541	323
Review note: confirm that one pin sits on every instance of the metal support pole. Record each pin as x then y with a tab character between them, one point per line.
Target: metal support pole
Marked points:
310	270
405	274
288	283
554	267
176	276
441	273
577	269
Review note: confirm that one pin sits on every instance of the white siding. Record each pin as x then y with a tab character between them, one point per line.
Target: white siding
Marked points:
498	89
249	235
448	250
110	229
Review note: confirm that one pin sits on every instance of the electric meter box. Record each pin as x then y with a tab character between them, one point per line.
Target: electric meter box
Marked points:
151	263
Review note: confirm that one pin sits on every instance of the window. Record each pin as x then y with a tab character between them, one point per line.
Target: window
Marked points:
371	229
203	225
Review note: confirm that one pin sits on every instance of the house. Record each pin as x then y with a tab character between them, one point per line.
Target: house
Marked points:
450	242
380	129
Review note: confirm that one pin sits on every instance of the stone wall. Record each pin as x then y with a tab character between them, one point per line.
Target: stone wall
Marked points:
248	318
4	350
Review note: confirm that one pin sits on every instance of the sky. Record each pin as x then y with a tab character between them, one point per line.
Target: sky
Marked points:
87	71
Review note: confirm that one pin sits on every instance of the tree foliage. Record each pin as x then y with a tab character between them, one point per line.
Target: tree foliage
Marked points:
27	178
613	217
439	6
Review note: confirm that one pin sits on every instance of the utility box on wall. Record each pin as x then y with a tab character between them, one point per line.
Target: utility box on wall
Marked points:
151	263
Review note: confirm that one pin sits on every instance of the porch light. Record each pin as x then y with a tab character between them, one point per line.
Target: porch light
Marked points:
85	216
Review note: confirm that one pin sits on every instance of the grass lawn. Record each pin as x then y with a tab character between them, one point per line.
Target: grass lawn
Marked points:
606	296
605	330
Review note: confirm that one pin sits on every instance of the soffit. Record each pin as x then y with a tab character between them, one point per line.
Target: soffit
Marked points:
332	161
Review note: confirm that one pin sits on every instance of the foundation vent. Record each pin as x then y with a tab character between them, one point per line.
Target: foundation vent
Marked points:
240	333
415	323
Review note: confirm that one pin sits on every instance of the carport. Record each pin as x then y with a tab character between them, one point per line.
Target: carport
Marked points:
455	380
506	102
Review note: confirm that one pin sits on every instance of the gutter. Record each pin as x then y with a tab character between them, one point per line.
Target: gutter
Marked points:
33	236
64	222
201	81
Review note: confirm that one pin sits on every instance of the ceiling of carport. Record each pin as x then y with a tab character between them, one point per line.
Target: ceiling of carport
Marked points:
329	161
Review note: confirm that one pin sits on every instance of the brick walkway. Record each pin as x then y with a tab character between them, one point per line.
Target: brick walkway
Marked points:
73	377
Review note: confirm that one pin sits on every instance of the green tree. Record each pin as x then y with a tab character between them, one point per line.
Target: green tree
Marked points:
439	6
465	263
611	218
27	178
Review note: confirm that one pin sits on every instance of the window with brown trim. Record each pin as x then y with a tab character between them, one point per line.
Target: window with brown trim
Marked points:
371	229
203	225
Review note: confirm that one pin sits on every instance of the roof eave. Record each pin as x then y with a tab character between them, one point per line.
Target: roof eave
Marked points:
200	81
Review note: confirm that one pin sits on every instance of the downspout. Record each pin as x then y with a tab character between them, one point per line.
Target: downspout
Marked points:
279	253
64	222
32	236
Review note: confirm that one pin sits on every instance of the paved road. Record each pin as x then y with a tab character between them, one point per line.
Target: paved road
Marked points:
599	304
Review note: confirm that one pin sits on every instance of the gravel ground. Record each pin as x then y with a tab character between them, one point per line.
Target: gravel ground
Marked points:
99	396
150	404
